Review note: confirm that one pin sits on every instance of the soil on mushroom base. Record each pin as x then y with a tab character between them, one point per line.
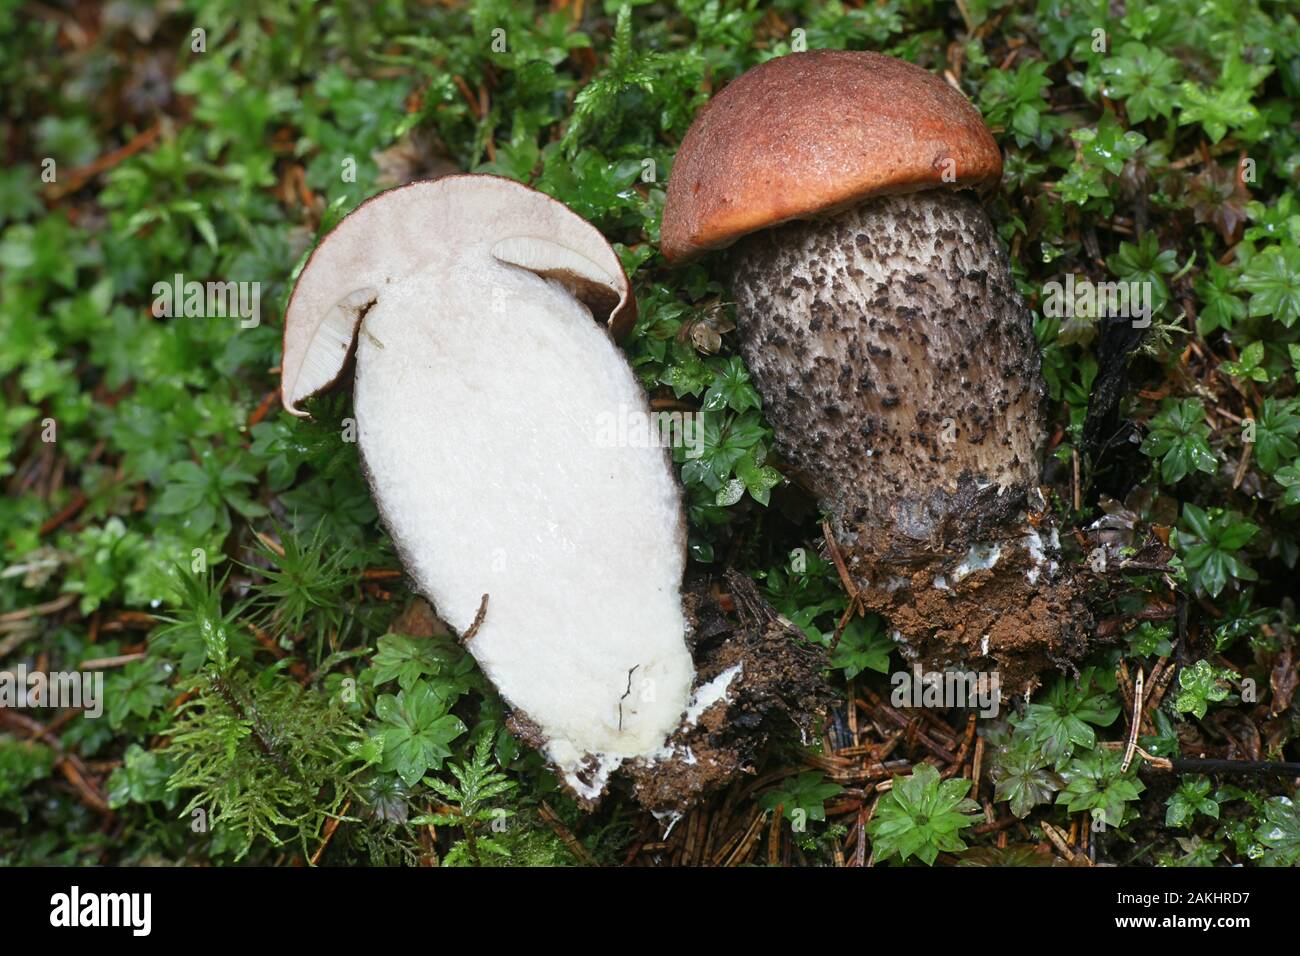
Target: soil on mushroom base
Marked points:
994	616
777	689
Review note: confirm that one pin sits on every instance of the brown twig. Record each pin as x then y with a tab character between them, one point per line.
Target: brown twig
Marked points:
1074	483
478	622
272	545
1159	685
959	759
840	567
69	511
103	663
82	175
565	834
1242	465
327	834
264	407
69	764
38	610
747	841
774	836
1137	723
1058	838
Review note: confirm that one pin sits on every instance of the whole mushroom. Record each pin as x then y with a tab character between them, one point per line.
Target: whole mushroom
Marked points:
485	396
879	317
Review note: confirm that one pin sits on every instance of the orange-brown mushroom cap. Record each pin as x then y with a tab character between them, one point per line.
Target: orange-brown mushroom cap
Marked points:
813	133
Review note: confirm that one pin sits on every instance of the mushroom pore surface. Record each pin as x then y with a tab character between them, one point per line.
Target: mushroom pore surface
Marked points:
900	373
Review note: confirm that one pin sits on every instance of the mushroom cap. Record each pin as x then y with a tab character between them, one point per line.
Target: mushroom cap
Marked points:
424	226
817	132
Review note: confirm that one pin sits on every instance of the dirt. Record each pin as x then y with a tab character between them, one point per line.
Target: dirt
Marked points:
778	692
418	620
995	619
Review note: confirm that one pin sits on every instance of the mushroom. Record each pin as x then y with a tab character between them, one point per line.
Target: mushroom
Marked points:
413	229
484	397
879	317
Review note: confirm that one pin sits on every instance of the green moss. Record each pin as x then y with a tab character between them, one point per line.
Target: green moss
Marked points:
1141	144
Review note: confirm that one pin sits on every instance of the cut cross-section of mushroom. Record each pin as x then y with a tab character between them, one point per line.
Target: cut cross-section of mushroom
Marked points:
481	388
493	417
470	221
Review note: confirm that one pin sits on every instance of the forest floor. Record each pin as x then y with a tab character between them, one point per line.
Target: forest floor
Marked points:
273	693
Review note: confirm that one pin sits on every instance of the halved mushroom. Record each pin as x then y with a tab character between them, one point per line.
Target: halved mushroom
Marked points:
484	399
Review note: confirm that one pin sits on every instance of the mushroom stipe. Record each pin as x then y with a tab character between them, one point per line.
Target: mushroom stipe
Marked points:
916	420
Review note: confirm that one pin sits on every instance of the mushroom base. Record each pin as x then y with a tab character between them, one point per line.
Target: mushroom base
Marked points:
758	680
1009	607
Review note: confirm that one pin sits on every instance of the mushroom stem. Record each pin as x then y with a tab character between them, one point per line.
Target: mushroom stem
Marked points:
899	370
894	352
